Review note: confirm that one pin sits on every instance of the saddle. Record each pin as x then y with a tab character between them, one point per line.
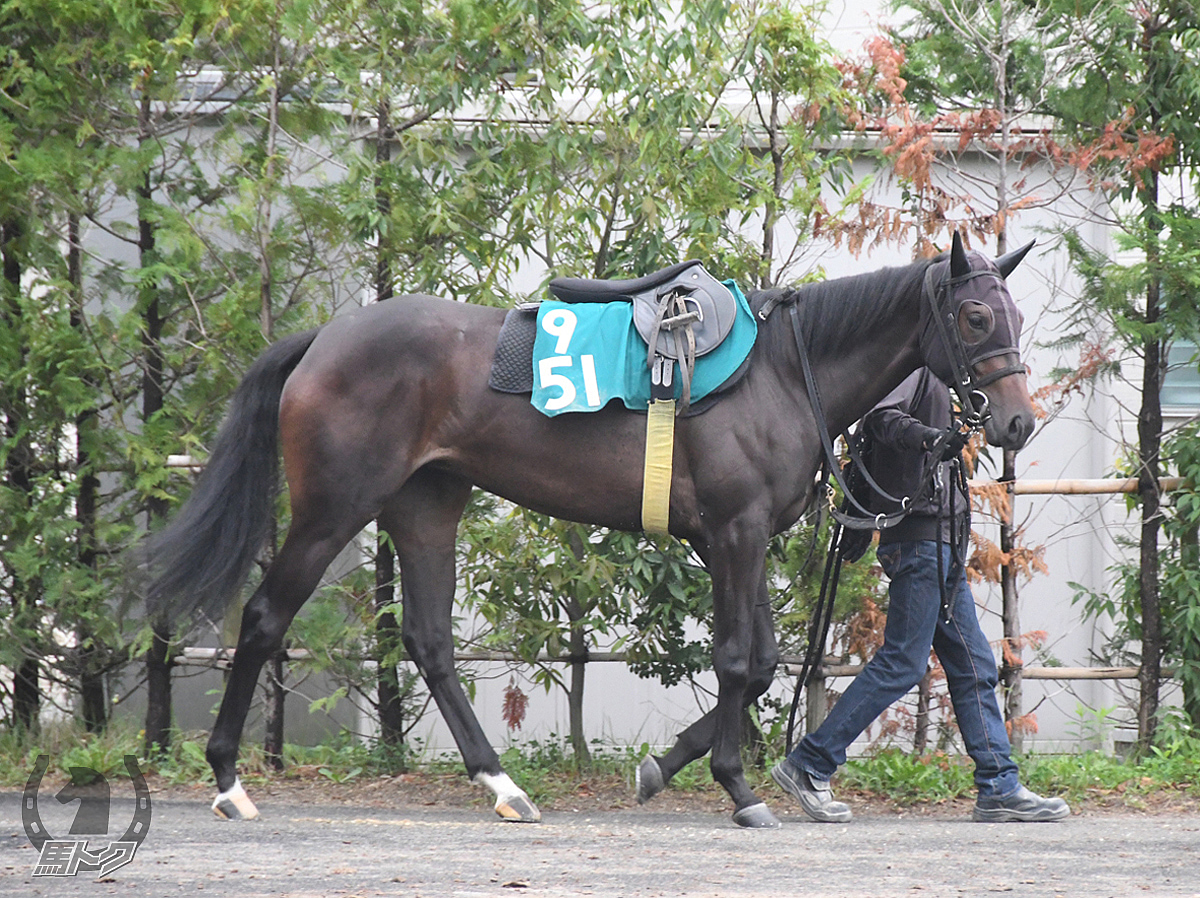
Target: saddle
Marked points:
682	312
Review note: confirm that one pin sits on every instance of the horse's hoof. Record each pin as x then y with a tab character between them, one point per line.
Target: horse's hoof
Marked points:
234	804
649	779
756	816
518	809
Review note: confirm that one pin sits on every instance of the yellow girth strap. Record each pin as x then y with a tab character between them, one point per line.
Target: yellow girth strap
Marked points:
656	480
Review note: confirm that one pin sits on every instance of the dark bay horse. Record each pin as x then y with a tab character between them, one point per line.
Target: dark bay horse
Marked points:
385	414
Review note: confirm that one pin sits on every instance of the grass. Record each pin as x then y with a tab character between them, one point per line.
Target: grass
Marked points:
907	779
1089	776
548	772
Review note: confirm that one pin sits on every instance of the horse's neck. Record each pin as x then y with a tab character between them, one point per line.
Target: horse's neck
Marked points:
853	382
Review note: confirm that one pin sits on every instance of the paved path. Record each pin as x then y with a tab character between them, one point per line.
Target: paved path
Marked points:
305	851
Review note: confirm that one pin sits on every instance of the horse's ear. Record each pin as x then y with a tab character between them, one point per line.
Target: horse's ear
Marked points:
959	266
1009	261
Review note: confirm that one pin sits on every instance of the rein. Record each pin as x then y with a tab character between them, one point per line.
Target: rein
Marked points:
864	520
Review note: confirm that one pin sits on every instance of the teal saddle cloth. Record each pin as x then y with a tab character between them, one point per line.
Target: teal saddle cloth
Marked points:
578	357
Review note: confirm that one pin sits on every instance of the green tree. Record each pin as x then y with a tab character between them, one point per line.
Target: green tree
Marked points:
51	96
119	353
553	588
1132	112
1181	569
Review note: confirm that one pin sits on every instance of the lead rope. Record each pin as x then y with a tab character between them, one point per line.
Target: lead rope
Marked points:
958	533
868	521
941	564
818	627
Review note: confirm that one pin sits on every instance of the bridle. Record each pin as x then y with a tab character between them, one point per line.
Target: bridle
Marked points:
940	314
943	316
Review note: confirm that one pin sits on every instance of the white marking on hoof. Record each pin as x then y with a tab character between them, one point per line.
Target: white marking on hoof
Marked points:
511	801
234	804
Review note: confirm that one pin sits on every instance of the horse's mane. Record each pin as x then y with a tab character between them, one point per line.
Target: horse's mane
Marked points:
835	315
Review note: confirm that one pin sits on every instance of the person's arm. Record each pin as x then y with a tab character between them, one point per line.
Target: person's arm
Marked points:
891	421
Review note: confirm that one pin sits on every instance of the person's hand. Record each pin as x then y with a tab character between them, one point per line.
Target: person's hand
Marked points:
945	443
953	445
931	438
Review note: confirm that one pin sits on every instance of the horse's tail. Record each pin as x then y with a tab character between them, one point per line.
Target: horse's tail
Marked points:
202	557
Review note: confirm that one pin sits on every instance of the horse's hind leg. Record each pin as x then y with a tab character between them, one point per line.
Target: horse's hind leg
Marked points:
290	580
423	522
653	772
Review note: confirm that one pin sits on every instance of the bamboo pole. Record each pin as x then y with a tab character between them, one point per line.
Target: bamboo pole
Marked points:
199	655
1080	487
1065	486
1028	673
792	664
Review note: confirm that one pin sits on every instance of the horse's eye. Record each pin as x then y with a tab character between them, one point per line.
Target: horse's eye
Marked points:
977	321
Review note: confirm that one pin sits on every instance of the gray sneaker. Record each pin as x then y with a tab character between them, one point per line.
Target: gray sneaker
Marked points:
1021	806
814	795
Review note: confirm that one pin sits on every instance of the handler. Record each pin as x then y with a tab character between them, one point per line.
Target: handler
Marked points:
906	427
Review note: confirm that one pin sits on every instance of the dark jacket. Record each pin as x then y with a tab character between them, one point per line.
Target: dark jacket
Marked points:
904	426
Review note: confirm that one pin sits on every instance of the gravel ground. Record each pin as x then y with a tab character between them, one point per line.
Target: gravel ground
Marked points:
382	838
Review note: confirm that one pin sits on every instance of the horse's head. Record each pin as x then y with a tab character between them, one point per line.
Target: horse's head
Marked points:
971	340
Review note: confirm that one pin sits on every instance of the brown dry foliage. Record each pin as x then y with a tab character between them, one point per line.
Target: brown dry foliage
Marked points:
988	559
515	705
864	630
1011	649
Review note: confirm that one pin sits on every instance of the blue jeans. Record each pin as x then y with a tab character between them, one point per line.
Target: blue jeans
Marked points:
914	623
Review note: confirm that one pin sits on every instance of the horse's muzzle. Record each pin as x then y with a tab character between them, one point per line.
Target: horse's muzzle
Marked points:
1010	431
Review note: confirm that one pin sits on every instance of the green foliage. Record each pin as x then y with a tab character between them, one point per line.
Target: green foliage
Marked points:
550	768
1180	569
944	65
906	778
116	359
1179	561
185	762
1135	68
535	580
1089	776
337	628
795	564
1117	290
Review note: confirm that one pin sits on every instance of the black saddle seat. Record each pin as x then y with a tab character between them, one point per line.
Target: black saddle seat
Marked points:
591	290
709	306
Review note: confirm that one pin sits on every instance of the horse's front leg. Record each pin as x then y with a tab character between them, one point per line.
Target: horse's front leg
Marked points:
736	565
696	741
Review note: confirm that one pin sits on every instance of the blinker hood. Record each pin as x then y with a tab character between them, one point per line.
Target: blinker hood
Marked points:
948	284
